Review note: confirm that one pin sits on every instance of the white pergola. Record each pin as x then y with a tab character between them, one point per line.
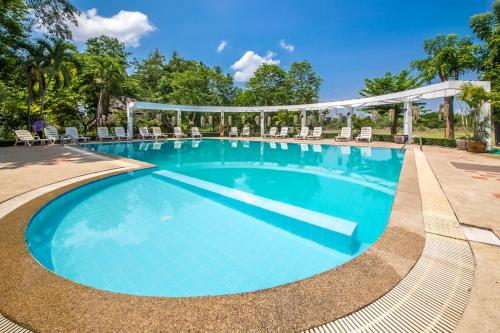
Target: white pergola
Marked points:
407	97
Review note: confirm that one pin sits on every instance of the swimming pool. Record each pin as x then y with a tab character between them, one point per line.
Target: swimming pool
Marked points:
217	217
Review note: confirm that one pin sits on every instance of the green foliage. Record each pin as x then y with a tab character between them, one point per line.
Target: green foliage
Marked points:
54	16
448	58
269	85
474	123
389	83
303	83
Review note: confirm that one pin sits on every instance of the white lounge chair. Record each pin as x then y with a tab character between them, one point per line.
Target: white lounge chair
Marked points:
144	133
178	132
233	132
27	138
120	133
365	134
103	134
52	134
72	133
158	134
245	131
283	133
304	133
271	134
195	132
316	134
345	134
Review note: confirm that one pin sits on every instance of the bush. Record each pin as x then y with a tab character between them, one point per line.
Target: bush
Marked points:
383	137
439	142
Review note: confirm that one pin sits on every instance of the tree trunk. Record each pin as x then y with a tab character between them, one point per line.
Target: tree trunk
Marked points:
100	107
393	115
29	107
450	119
496	126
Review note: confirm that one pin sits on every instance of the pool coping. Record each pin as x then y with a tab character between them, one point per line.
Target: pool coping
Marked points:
35	297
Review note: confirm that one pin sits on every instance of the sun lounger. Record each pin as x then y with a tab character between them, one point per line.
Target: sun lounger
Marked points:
144	133
245	131
52	134
120	133
316	134
72	133
103	134
157	133
345	134
283	133
365	134
304	133
178	132
271	134
233	132
195	132
27	138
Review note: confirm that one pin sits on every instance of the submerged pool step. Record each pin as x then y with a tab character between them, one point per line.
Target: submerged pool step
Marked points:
331	229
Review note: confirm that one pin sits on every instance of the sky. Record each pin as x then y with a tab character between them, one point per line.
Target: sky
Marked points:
346	41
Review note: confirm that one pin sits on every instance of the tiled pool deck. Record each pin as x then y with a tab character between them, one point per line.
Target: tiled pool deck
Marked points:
435	291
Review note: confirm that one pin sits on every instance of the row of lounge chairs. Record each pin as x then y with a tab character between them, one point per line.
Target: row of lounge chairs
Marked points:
51	136
346	135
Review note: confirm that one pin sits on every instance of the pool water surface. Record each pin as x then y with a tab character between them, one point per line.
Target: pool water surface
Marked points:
217	216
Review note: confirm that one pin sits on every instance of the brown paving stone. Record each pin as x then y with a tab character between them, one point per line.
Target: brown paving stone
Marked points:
38	299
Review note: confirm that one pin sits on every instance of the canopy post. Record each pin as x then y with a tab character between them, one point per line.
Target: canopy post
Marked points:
486	114
179	117
349	116
262	124
303	118
130	121
408	120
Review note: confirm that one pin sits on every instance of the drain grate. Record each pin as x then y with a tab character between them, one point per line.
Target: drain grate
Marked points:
432	297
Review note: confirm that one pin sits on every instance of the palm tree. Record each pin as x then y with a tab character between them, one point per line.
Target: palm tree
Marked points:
58	65
34	74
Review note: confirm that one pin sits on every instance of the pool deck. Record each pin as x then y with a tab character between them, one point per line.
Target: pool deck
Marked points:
35	298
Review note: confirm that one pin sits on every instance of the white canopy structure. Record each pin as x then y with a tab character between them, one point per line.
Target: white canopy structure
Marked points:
407	97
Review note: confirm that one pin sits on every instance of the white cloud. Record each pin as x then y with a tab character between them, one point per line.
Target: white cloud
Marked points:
222	46
249	62
127	27
288	47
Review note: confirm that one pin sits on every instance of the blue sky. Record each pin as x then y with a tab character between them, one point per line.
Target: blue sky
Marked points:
346	41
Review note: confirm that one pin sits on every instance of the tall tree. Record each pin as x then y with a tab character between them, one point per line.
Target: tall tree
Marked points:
148	75
57	67
54	16
104	67
448	58
487	29
390	83
303	83
269	85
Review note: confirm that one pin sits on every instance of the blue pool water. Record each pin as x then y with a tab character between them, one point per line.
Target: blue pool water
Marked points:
217	217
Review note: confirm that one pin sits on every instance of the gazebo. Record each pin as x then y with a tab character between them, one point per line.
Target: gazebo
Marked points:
407	97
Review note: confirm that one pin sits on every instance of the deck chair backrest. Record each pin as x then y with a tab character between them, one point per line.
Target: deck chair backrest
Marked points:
233	130
102	132
24	135
304	131
195	130
51	133
317	131
272	131
156	130
72	132
178	131
345	132
120	132
284	131
144	131
366	132
245	131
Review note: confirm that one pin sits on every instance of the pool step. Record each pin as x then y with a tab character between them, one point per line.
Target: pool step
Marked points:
328	230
